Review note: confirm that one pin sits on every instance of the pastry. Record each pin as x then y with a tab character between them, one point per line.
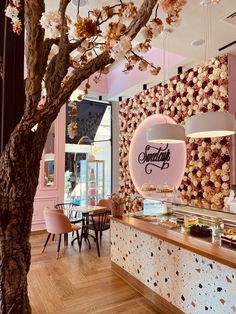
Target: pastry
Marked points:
148	189
230	231
169	224
229	240
149	218
165	190
190	221
201	231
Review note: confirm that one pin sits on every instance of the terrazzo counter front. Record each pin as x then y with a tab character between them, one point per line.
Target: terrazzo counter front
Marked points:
170	267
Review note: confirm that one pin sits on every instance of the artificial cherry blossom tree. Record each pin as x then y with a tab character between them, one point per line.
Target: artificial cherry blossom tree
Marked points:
85	46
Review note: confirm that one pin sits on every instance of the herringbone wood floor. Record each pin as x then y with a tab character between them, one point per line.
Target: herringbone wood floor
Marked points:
79	283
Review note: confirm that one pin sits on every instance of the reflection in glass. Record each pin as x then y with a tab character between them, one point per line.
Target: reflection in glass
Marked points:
49	158
94	121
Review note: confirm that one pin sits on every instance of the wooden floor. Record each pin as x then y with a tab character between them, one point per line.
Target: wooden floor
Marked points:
79	283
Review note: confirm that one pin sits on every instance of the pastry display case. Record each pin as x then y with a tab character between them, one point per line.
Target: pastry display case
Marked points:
91	181
215	226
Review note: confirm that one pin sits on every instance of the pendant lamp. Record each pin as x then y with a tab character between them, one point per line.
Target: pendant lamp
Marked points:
166	133
210	124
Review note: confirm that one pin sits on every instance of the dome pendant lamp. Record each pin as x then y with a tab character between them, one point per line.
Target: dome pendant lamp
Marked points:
210	124
166	133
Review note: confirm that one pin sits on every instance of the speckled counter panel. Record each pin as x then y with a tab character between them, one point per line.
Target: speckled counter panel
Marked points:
193	283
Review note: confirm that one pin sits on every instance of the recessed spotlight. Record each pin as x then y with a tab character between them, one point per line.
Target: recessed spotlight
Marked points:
82	3
197	43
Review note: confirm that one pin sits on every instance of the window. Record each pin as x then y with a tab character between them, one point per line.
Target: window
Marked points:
94	121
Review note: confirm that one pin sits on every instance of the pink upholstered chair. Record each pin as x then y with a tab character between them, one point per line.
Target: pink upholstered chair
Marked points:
106	203
57	223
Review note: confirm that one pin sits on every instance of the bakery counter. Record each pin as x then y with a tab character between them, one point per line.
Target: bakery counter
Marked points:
179	273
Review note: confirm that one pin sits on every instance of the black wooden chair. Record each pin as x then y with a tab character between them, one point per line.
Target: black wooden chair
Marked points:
98	223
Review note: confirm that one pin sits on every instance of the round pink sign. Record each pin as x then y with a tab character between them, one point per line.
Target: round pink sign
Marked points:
150	164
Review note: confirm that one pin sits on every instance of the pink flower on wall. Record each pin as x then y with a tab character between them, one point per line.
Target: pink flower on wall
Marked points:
204	88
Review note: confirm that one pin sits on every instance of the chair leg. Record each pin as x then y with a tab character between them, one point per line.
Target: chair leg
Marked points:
81	239
53	237
59	244
66	239
101	235
79	242
96	235
46	242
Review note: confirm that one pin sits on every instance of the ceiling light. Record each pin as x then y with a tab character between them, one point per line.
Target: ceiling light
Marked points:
82	3
197	43
210	124
166	133
85	140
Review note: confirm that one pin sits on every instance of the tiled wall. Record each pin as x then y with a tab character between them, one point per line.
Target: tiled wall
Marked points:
193	283
201	89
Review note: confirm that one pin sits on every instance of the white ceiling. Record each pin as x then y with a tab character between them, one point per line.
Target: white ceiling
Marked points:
193	27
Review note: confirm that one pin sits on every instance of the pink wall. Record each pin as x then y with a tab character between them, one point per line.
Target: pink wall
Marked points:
49	196
118	81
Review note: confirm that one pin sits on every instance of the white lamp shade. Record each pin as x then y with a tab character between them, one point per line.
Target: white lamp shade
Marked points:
210	124
166	133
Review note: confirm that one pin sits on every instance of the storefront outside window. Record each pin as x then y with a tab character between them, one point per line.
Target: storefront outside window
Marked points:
94	121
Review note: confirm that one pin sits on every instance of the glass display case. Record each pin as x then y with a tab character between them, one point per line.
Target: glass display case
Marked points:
91	181
215	226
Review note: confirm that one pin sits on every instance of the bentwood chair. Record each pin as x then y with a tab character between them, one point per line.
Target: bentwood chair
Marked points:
108	204
98	222
57	223
68	209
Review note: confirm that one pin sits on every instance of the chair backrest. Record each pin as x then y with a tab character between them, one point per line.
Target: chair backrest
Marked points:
105	203
67	209
58	210
101	221
56	222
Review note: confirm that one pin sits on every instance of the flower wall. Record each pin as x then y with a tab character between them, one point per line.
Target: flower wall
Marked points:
204	88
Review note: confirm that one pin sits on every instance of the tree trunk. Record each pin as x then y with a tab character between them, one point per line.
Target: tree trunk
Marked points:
19	171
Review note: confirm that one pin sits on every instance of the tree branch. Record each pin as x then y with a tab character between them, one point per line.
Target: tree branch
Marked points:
34	47
47	46
100	61
58	67
76	44
141	19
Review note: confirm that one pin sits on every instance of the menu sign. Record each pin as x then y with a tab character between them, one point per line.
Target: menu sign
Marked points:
158	164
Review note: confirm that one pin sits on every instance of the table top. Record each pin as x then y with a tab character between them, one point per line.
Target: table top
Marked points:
86	209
